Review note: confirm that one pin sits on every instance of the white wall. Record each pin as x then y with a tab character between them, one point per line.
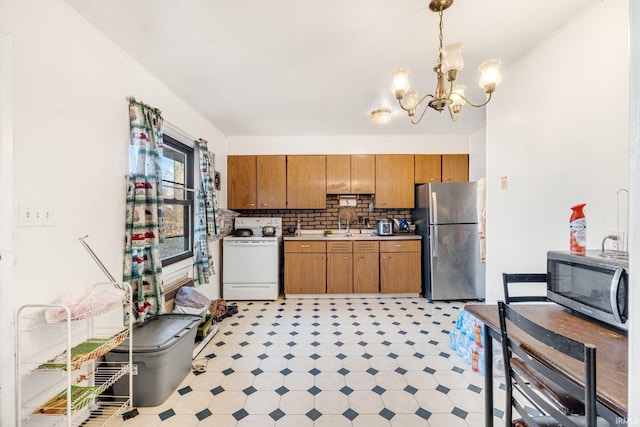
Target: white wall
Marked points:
477	155
448	144
70	145
559	132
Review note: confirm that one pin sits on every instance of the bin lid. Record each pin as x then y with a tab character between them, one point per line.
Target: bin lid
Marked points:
160	332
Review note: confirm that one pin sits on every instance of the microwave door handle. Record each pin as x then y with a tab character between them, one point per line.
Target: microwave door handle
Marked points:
613	294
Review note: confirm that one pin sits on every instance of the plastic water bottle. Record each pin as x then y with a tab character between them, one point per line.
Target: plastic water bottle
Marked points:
453	338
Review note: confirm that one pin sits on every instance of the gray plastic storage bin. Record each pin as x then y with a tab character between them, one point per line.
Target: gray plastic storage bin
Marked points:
162	352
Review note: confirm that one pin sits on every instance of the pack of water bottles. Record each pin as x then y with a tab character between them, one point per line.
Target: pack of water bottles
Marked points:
467	340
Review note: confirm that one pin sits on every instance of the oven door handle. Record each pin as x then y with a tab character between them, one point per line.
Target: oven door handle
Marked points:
613	293
249	243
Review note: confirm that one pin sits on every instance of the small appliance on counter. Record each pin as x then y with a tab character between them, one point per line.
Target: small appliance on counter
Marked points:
594	284
384	227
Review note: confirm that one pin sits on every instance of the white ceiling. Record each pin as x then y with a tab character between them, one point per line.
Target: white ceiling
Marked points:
303	68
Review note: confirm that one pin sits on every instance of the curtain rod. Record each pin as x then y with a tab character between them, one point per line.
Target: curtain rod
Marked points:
180	130
168	123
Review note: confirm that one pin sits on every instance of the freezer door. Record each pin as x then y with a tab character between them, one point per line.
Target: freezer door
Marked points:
457	272
453	203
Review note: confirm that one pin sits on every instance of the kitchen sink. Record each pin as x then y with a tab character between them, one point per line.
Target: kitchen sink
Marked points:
351	236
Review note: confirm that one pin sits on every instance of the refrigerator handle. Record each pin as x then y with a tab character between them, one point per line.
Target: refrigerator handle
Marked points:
433	241
433	212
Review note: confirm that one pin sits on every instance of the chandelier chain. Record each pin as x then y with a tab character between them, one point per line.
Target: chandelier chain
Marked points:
441	39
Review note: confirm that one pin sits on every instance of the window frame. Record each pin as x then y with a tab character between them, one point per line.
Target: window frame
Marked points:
189	200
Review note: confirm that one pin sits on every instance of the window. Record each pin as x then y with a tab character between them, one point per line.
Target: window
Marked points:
177	180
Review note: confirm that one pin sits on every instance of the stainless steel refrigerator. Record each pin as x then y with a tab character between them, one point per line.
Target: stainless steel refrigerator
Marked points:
446	217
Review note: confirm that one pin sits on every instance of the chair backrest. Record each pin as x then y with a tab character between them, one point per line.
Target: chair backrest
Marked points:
532	334
510	280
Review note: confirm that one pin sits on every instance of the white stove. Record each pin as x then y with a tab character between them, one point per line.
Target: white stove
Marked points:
251	264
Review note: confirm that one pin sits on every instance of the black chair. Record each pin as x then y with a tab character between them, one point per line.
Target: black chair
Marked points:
512	280
521	358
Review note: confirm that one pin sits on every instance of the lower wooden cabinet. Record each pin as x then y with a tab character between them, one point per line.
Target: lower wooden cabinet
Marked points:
400	267
340	267
366	267
346	267
305	267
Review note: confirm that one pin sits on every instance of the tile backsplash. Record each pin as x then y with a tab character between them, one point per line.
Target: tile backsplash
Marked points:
320	219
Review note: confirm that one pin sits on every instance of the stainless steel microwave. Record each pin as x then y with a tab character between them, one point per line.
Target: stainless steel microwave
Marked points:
594	284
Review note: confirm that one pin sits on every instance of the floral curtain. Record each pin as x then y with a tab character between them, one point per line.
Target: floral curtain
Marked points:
207	219
144	228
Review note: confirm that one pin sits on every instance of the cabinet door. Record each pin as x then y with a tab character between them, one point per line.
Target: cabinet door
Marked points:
363	174
400	272
428	168
306	182
339	273
366	269
455	167
271	182
339	174
394	181
305	273
241	182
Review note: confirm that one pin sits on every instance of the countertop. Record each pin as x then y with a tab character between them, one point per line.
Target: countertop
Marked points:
355	235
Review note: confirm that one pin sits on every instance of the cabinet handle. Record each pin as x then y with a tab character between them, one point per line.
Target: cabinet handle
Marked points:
346	257
386	257
250	204
399	246
304	246
320	257
265	204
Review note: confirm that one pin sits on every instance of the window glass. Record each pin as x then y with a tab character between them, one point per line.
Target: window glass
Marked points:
177	177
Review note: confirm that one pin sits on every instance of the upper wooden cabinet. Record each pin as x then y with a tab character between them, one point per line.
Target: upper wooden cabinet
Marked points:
306	182
351	174
428	168
455	167
272	182
338	174
256	182
394	181
363	173
241	182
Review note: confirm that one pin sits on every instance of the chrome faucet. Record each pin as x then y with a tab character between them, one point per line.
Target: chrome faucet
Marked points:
347	231
609	237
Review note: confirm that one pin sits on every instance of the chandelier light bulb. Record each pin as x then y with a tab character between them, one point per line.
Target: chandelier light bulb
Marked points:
400	82
411	99
490	75
452	57
457	96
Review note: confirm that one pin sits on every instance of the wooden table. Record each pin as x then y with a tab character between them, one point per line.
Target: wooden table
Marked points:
611	351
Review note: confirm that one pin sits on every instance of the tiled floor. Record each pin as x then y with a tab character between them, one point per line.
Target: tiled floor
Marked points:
329	362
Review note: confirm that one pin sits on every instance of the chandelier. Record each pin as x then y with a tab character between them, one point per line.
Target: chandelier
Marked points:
449	63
